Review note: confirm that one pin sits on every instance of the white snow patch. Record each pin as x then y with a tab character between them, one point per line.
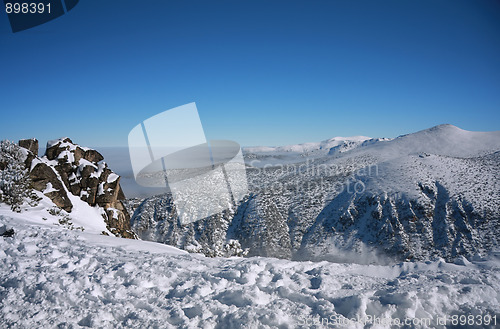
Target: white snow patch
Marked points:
112	178
49	188
70	156
83	163
100	189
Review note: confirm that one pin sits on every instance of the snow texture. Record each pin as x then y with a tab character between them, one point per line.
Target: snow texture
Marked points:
51	277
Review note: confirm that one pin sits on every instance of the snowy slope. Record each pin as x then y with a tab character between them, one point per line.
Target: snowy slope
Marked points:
433	193
51	277
83	217
446	140
423	201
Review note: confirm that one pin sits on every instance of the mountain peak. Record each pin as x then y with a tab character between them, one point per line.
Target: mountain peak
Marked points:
445	127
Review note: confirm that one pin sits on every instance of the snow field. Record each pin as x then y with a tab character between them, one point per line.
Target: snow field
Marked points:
54	277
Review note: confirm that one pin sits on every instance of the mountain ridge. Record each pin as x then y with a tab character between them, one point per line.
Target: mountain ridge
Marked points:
433	193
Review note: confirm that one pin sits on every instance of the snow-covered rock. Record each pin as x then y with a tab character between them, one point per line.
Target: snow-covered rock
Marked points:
15	184
72	177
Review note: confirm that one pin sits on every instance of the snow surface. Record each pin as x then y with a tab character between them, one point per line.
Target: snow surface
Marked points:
112	178
70	146
83	216
52	277
49	188
307	147
446	140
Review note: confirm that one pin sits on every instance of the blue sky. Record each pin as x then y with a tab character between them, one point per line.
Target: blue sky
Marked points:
261	72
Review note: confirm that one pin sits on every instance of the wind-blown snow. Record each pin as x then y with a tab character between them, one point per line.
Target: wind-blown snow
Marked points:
52	277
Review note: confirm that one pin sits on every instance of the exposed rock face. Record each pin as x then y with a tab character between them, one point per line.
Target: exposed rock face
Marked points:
69	168
30	144
44	179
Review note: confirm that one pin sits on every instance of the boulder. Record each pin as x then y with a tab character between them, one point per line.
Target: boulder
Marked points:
43	178
93	156
30	144
6	232
54	148
79	153
118	220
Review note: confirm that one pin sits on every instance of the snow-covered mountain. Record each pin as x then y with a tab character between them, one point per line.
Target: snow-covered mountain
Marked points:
330	146
431	197
433	193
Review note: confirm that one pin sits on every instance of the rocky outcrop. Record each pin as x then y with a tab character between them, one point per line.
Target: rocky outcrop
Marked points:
69	169
30	144
44	179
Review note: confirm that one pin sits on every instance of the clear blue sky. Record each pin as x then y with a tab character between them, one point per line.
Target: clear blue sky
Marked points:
261	72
